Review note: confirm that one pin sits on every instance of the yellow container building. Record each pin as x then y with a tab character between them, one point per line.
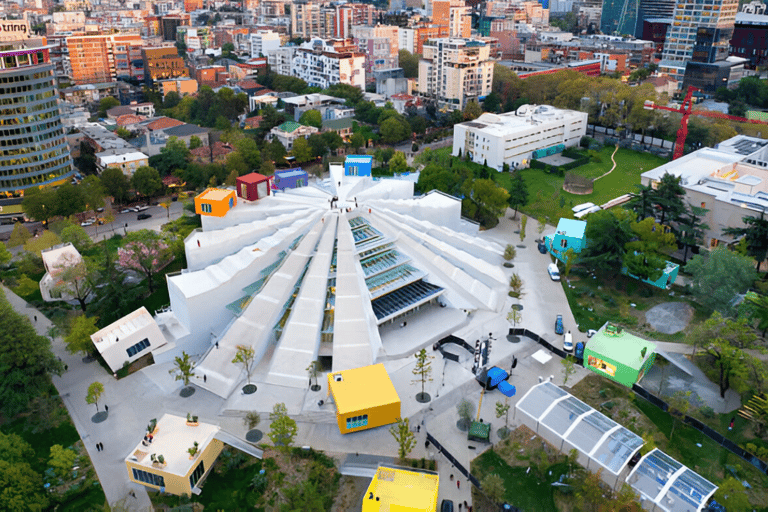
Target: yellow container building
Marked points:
365	398
180	472
215	202
399	490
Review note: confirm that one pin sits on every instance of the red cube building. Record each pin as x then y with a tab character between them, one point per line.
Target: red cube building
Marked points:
253	186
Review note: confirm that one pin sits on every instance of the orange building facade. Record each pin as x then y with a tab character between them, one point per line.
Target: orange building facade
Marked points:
215	202
101	58
164	62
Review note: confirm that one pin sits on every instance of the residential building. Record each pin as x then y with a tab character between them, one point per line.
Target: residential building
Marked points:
653	10
163	63
144	109
455	15
127	160
181	86
186	131
264	41
128	339
322	63
512	138
102	58
215	201
619	17
315	19
297	105
215	153
289	131
365	398
379	44
179	473
454	71
358	165
196	38
568	235
212	76
280	60
394	488
35	151
622	357
406	38
290	178
253	186
750	34
729	180
56	259
700	32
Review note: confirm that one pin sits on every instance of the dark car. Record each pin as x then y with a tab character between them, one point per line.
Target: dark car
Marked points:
579	350
143	216
446	506
542	248
559	325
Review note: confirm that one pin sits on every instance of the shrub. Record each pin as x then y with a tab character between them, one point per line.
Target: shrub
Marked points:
707	411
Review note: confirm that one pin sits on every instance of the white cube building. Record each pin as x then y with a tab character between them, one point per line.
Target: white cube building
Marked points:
513	137
128	339
55	260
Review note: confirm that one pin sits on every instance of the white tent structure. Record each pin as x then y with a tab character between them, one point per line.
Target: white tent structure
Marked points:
666	485
567	423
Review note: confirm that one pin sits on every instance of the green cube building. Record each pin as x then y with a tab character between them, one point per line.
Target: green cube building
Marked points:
622	357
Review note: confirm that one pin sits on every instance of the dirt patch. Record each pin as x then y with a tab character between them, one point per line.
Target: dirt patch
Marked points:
351	492
289	469
522	444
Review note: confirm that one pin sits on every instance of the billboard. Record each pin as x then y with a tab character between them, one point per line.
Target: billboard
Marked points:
14	30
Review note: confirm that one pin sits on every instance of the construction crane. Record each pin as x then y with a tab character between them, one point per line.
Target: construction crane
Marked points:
686	110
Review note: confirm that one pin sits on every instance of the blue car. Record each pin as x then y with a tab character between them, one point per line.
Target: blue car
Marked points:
559	325
579	350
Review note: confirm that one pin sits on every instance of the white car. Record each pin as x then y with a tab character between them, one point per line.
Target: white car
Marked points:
126	210
141	208
553	272
568	342
86	223
581	207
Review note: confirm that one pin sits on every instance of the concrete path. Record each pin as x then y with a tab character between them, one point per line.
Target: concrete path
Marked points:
614	164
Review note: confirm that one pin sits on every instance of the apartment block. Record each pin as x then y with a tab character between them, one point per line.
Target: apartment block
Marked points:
281	59
263	41
101	58
380	46
454	14
316	19
182	86
321	63
454	71
163	63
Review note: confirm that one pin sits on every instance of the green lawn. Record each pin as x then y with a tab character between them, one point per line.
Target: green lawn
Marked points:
523	490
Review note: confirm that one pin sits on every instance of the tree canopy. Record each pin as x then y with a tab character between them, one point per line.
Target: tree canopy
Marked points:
718	276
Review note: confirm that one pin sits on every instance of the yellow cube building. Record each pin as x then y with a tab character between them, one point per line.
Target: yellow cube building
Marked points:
180	472
365	398
400	490
215	202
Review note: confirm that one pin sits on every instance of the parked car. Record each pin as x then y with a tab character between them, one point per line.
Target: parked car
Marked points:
100	209
568	342
591	333
542	247
143	216
559	329
579	350
446	506
142	208
553	272
86	223
126	210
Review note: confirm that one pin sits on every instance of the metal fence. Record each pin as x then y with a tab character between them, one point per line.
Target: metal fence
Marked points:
461	469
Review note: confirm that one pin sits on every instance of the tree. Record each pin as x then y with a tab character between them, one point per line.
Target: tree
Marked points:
756	411
679	404
75	279
267	168
570	259
466	410
523	223
510	252
394	130
717	277
422	370
301	150
404	438
144	251
184	368
590	491
312	117
754	307
79	337
332	139
472	110
502	409
730	494
607	233
40	204
357	141
669	197
724	341
123	133
542	224
92	191
318	145
236	164
106	104
195	142
95	390
245	356
642	201
62	460
756	234
410	63
248	148
398	164
569	368
5	255
77	236
518	192
514	316
493	487
19	235
645	254
115	184
691	228
171	157
21	487
39	243
489	198
492	103
516	284
147	182
283	429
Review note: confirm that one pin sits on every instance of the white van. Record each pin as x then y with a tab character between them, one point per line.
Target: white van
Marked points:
581	207
568	342
553	272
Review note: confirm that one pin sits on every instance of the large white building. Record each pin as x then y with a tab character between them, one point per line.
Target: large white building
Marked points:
263	42
56	259
322	63
454	71
280	59
512	138
730	180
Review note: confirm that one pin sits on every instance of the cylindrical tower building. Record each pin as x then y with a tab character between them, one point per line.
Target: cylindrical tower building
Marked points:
34	149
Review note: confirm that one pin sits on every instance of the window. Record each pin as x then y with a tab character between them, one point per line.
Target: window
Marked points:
205	207
135	349
197	474
148	478
357	421
563	243
231	202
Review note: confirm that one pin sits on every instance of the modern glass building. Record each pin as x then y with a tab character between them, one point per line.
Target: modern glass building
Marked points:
34	149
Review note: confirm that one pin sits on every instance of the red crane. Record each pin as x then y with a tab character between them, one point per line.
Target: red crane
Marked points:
686	110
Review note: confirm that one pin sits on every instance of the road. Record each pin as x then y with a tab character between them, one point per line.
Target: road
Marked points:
125	222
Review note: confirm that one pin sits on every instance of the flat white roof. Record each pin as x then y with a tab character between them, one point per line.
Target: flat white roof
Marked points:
121	328
118	159
60	256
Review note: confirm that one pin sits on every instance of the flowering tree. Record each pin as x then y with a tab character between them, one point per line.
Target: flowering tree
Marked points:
144	251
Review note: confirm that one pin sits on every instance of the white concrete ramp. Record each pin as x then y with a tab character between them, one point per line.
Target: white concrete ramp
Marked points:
255	326
299	343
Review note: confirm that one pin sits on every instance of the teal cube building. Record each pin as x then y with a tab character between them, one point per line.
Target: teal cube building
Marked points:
569	235
358	165
622	357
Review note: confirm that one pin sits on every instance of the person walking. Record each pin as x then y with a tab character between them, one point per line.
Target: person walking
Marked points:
458	483
205	378
35	318
106	408
98	449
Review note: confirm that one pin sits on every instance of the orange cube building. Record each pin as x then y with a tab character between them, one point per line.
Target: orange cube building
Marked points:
215	202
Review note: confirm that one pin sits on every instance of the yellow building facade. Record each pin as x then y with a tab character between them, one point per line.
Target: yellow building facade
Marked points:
181	471
215	202
399	490
365	398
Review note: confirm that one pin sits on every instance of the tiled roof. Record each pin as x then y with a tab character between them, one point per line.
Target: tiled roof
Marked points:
120	110
289	126
128	119
253	122
161	123
249	84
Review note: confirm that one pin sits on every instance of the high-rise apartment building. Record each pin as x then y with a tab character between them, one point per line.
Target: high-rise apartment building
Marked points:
34	149
454	71
281	60
311	18
700	31
619	17
380	46
162	63
102	58
264	41
321	63
455	15
653	10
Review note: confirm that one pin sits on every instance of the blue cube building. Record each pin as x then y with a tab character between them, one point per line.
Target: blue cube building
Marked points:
569	235
290	178
358	165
